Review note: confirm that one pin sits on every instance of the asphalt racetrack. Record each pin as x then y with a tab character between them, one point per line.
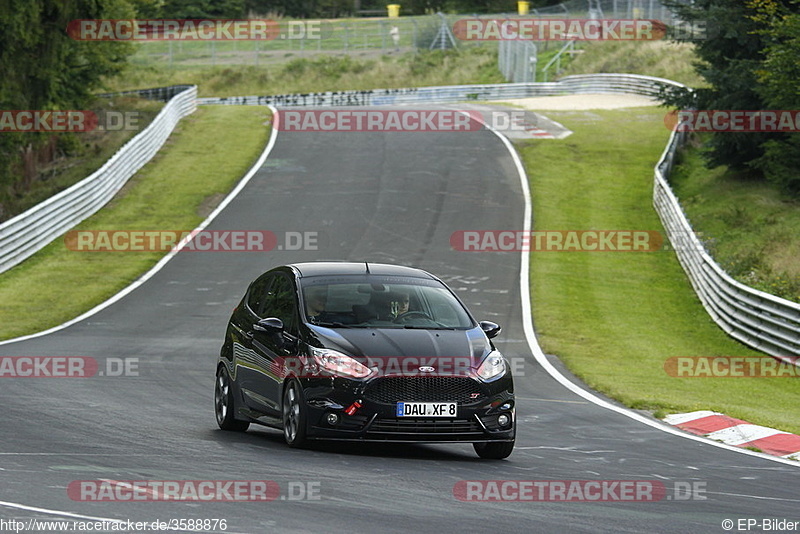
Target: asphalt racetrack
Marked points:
388	197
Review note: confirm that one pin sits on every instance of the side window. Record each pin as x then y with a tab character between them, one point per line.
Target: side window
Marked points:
259	294
281	303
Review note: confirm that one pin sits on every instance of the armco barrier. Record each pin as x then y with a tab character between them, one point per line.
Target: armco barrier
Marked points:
29	232
760	320
570	85
755	318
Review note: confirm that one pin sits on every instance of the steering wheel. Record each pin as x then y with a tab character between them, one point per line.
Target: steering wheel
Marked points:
410	314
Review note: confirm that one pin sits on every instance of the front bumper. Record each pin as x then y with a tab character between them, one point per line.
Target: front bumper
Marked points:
376	420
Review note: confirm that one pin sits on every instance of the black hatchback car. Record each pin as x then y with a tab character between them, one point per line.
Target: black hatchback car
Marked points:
363	352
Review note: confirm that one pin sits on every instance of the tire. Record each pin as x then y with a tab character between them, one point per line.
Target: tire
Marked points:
294	415
225	405
496	450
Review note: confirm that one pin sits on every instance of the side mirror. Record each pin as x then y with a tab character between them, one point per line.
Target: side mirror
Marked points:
271	325
490	329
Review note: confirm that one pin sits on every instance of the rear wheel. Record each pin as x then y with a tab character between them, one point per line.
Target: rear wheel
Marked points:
225	405
496	450
294	415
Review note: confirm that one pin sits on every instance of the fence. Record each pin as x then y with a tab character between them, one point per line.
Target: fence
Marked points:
364	36
351	37
517	60
32	230
608	9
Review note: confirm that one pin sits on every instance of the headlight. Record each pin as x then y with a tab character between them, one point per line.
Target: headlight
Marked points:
493	366
339	364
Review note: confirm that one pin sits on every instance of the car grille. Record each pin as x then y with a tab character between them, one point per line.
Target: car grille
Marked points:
426	426
391	390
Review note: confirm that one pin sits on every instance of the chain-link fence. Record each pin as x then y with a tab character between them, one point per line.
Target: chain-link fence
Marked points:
519	60
299	39
376	36
609	9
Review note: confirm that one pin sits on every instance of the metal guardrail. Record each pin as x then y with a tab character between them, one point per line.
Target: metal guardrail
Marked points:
589	83
29	232
760	320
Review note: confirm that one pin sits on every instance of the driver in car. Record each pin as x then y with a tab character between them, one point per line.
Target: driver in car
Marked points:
399	304
316	300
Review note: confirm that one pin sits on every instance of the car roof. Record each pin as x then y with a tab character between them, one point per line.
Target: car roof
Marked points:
327	268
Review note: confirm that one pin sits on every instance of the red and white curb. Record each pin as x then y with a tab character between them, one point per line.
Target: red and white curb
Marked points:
720	427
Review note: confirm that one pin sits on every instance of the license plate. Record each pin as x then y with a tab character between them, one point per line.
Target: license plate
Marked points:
427	409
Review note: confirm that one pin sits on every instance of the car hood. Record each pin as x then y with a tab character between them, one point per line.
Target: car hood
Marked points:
387	347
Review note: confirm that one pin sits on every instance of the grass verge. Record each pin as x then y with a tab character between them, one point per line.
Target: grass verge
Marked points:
323	73
748	226
174	191
616	317
664	59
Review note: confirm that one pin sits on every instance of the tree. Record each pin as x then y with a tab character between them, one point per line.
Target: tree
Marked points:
729	58
751	63
779	77
203	9
44	69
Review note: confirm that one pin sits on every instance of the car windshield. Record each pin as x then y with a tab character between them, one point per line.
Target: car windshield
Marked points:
370	301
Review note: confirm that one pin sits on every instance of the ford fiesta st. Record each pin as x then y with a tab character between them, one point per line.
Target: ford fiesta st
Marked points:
363	352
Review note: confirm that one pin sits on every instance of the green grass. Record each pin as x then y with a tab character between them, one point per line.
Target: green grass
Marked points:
323	73
615	317
172	192
749	226
664	59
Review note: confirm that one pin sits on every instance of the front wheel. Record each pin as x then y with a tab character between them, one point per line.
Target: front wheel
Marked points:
294	415
496	450
224	404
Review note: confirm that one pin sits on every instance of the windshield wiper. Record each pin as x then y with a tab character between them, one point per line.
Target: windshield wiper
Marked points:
333	324
420	327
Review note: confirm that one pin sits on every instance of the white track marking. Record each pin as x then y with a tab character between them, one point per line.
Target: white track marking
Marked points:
536	350
160	265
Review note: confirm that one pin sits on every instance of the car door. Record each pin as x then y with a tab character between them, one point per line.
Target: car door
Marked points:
273	348
250	364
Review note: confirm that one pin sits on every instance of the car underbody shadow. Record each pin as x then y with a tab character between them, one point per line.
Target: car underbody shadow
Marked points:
258	436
